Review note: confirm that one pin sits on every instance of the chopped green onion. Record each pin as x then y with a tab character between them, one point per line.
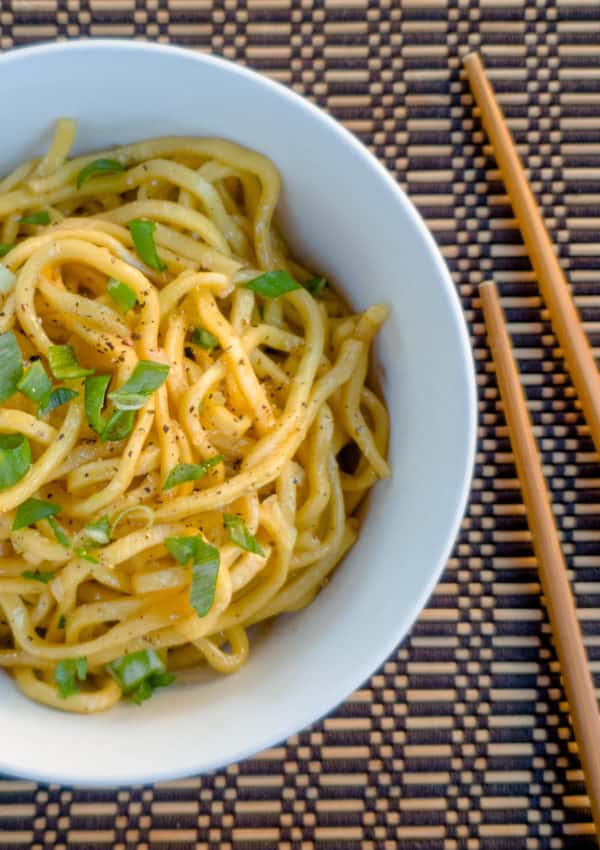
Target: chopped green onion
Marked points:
62	622
5	247
205	569
140	673
60	535
33	510
7	279
82	552
98	533
118	426
42	217
11	365
183	549
204	338
123	295
98	166
66	674
146	688
36	384
64	364
272	284
59	396
204	581
144	380
15	458
94	391
38	576
315	286
142	233
239	534
190	471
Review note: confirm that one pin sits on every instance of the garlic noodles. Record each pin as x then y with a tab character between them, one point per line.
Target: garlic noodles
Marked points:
187	423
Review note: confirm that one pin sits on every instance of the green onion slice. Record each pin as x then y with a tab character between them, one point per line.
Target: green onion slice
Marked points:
205	569
11	365
204	338
58	397
190	471
139	674
123	295
145	379
59	533
272	284
142	233
315	285
94	392
83	553
15	458
118	426
64	364
239	534
41	217
36	575
36	384
33	510
5	247
98	166
66	674
98	533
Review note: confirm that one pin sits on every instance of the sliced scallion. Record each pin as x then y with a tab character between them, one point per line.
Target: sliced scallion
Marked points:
38	575
99	532
142	233
239	534
190	471
36	384
204	338
272	284
64	364
140	673
41	217
144	380
58	397
94	392
66	674
33	510
123	295
15	459
315	286
11	365
205	569
59	533
98	166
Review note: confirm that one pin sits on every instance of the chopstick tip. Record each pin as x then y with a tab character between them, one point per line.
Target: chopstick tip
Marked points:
471	57
487	284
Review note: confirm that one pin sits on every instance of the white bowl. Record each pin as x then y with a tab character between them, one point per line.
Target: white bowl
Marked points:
346	215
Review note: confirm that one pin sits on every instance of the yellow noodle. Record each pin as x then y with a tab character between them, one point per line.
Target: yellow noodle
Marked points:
281	389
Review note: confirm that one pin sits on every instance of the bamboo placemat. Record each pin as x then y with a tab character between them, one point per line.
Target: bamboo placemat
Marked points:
461	740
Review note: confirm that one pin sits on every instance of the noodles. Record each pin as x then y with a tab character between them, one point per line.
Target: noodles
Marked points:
186	426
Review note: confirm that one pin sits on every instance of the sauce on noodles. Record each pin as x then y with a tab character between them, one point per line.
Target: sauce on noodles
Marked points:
177	396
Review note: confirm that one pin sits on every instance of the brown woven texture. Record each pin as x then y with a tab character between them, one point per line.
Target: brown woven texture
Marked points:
462	740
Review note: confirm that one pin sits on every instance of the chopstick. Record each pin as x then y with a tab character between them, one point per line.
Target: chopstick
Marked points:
551	279
566	632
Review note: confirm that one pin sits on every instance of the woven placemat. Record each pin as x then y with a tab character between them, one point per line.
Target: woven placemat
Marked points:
462	739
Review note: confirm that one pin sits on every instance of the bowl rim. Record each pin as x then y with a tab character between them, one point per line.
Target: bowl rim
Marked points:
187	765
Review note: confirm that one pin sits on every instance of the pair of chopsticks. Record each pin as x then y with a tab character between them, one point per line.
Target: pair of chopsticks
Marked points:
584	374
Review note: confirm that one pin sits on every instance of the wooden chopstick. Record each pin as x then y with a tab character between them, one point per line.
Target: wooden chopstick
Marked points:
551	279
566	632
